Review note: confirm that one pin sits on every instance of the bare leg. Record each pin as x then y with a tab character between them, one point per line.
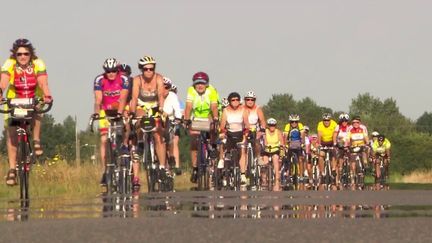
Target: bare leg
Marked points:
160	147
12	146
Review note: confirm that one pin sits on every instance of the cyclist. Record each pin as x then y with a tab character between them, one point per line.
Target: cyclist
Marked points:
306	153
172	111
235	128
110	92
294	139
201	103
24	75
256	118
148	98
381	147
273	142
357	136
326	129
339	137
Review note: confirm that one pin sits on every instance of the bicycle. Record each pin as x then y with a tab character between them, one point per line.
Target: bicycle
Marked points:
327	177
157	178
345	177
316	174
118	169
232	171
383	170
359	167
22	111
252	163
293	168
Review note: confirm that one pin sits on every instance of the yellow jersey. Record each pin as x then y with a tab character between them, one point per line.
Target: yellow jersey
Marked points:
326	132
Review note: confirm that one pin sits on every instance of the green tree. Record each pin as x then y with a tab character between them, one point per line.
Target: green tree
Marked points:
424	123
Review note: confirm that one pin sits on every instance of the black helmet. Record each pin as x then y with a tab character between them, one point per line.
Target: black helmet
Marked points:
126	69
233	95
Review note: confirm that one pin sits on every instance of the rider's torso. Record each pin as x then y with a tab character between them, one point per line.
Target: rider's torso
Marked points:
235	119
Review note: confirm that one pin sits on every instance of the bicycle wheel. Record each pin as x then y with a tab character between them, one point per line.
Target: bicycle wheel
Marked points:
251	169
270	176
147	163
109	158
201	166
294	170
23	170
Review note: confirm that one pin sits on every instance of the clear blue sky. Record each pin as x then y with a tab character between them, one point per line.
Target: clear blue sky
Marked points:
328	50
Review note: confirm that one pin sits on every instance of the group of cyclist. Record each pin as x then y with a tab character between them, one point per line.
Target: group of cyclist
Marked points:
118	94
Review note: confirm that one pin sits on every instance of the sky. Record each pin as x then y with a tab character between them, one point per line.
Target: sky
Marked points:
329	50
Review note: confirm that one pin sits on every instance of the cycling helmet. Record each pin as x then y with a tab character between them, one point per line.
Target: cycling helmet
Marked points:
174	88
271	122
225	102
200	78
233	95
22	43
306	128
314	136
167	82
326	116
250	94
126	69
146	60
375	134
110	64
381	138
294	117
343	117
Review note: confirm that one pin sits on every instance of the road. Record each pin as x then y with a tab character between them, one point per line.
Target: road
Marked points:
303	216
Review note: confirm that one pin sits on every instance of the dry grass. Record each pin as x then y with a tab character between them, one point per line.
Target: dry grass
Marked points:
418	177
57	178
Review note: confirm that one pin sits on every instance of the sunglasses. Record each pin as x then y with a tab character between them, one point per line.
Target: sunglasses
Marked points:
326	120
111	71
148	69
249	99
23	54
293	121
235	99
355	122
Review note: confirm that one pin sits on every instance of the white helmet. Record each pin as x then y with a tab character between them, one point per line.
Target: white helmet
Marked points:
344	117
375	134
146	60
167	81
271	121
225	102
174	88
110	64
306	128
250	94
294	117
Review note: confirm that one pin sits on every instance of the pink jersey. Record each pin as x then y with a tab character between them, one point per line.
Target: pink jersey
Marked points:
111	90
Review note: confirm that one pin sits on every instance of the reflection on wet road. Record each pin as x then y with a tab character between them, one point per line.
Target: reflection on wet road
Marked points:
215	205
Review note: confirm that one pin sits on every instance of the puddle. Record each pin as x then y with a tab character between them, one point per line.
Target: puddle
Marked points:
215	205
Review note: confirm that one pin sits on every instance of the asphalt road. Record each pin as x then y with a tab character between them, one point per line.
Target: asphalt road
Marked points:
300	216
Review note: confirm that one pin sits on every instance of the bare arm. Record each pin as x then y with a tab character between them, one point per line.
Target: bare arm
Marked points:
223	121
160	90
98	101
43	84
122	100
4	82
261	117
187	111
214	109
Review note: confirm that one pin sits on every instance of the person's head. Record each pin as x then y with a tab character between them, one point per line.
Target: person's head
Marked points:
271	124
356	121
250	98
375	135
23	52
343	119
234	99
294	120
167	85
200	81
381	139
313	138
326	118
126	69
111	68
174	88
147	65
306	129
225	102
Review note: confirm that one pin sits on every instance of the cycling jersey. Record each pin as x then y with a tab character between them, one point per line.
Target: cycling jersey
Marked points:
272	141
111	90
326	132
293	133
341	133
381	149
356	135
253	117
172	106
23	82
201	103
234	119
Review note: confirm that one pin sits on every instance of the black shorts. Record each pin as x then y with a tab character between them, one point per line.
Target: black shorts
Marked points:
232	139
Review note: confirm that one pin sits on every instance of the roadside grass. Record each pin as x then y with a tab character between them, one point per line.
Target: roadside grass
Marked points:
57	178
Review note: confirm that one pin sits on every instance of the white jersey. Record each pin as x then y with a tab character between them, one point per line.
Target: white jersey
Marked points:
172	106
234	119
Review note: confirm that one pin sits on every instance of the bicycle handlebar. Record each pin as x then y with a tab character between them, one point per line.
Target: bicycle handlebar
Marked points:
36	102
